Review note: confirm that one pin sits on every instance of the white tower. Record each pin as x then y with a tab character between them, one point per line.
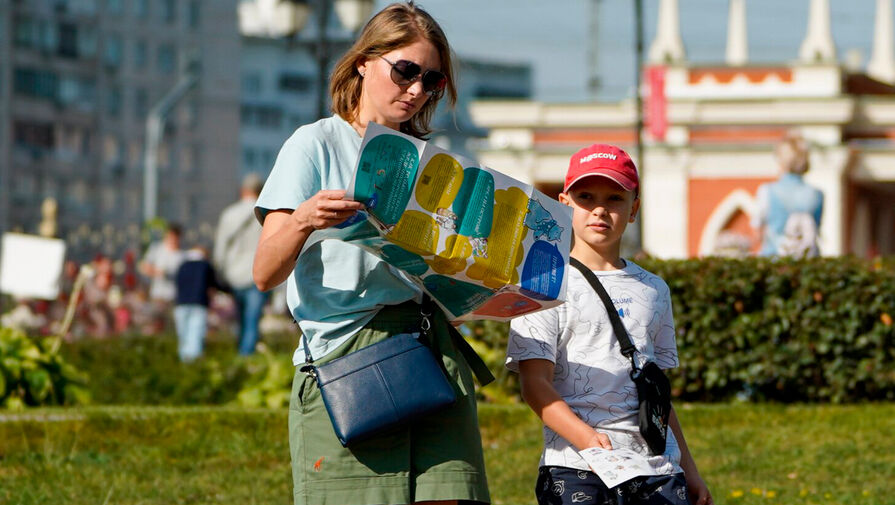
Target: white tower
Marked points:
737	42
882	61
667	47
818	44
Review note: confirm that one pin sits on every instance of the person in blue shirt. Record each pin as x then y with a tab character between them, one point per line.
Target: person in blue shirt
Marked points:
344	298
789	209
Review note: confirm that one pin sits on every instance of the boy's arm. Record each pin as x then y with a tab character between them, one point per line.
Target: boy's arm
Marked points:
699	491
536	378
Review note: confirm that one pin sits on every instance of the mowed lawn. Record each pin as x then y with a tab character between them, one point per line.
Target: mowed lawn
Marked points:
749	454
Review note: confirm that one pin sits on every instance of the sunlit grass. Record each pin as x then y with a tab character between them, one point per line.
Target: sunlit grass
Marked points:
749	454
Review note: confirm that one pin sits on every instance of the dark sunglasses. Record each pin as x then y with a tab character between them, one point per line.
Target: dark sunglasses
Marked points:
407	72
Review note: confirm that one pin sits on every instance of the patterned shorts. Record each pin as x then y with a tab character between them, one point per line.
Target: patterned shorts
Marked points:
559	485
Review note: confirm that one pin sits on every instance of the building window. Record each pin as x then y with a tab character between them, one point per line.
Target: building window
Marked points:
169	11
113	101
112	51
248	159
111	149
78	92
141	8
262	116
268	158
140	54
141	104
166	59
68	40
251	83
37	137
193	14
114	6
295	83
36	83
87	42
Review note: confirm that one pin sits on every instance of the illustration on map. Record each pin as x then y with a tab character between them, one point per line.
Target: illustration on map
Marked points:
482	244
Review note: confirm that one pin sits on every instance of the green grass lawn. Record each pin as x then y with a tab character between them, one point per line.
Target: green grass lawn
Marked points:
749	454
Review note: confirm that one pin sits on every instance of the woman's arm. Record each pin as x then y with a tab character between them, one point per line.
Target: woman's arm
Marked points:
284	234
536	377
699	491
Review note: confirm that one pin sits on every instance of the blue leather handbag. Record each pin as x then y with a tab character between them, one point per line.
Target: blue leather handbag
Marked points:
381	386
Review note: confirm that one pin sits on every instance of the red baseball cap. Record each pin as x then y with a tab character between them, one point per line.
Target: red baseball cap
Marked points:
605	160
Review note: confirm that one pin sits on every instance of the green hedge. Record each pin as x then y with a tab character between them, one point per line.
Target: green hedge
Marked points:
757	329
773	329
782	329
138	370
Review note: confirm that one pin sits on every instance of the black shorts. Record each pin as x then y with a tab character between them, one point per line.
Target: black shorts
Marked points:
558	485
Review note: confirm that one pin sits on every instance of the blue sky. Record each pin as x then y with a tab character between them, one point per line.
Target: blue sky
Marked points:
554	35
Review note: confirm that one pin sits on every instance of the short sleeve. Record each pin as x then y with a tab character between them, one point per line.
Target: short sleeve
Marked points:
761	207
665	344
533	336
295	177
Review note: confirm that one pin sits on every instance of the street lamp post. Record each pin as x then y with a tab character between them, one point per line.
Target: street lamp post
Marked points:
351	14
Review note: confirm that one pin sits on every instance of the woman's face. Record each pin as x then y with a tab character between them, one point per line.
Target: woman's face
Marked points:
385	102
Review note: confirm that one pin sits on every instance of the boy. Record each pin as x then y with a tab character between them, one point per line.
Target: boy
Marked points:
193	280
572	371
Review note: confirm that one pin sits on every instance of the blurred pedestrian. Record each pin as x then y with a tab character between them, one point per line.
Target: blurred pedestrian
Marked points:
160	264
789	209
194	279
234	251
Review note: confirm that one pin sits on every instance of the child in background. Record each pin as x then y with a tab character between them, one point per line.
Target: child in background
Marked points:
194	278
571	368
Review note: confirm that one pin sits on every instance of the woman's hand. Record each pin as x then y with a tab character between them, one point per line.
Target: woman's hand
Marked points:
285	232
325	209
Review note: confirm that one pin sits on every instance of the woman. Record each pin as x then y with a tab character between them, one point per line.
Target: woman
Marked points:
344	298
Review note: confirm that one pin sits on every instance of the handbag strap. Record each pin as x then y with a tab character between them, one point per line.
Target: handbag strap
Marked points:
427	308
627	347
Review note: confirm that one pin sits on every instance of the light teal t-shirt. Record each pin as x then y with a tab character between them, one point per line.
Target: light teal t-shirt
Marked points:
336	288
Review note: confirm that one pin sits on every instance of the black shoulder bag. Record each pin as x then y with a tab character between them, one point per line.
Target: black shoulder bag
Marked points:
653	387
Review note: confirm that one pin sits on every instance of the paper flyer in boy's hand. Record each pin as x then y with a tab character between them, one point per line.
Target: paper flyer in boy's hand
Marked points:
616	466
482	244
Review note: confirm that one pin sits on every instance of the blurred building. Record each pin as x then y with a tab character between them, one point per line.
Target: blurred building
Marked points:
711	130
77	80
280	88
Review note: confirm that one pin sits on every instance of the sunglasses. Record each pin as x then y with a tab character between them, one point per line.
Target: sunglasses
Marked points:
407	72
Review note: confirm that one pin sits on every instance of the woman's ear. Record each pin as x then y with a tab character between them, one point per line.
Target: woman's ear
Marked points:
362	67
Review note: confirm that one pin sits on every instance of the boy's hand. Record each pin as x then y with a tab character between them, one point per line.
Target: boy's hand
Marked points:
600	440
698	490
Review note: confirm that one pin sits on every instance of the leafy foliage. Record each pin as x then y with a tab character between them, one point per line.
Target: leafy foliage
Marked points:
33	372
770	329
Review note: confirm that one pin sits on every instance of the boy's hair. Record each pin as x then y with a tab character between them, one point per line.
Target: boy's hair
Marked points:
396	26
603	160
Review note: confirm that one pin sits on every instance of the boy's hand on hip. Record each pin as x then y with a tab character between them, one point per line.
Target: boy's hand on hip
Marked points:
600	440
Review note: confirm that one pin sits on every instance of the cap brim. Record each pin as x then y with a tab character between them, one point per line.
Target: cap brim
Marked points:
617	178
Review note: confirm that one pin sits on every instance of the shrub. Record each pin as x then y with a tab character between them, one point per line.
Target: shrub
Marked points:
766	329
783	329
32	372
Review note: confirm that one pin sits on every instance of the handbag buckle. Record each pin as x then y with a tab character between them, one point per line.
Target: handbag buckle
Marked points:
309	369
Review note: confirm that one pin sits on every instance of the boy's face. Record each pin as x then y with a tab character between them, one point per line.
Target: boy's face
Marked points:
602	211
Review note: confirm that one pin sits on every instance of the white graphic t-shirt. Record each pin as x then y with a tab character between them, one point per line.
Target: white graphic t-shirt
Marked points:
591	374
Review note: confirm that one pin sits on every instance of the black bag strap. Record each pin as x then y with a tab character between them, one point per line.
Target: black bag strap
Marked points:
627	347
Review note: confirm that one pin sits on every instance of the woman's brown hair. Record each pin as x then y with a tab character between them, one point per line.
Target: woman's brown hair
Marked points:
396	26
